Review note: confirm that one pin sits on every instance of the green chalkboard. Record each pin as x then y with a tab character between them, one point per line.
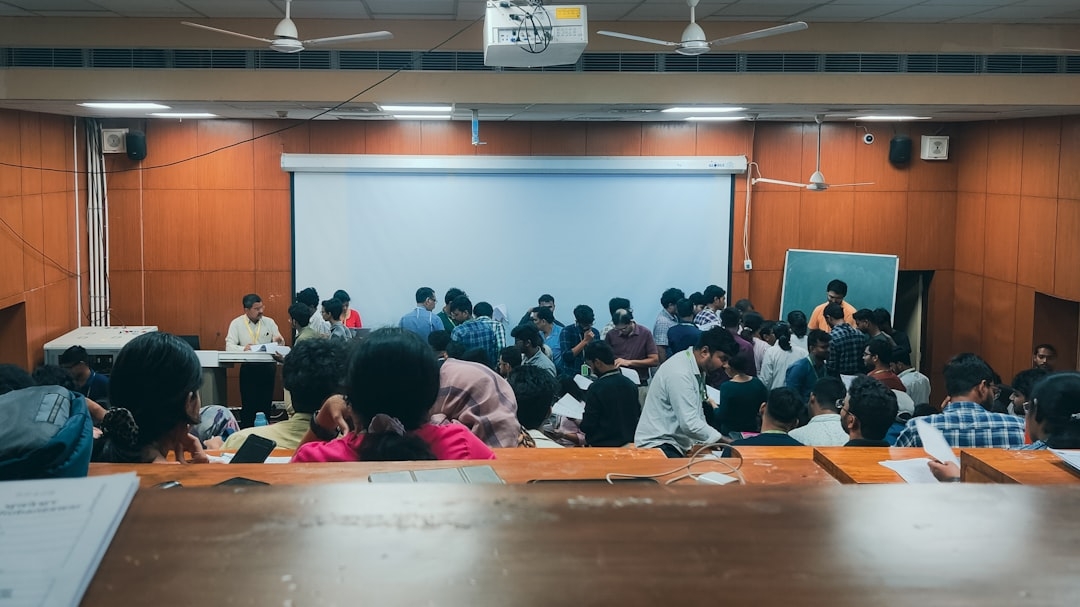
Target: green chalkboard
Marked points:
871	279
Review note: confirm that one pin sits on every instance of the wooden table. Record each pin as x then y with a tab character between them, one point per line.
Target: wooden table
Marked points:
789	471
601	453
1022	467
861	464
752	452
360	544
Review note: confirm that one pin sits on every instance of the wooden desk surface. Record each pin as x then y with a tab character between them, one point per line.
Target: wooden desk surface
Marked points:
358	544
776	452
601	453
1023	467
861	464
789	471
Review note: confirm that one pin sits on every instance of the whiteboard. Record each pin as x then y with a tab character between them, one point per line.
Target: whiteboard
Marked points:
509	229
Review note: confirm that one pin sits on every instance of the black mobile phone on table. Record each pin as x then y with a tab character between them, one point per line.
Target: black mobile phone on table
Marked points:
255	450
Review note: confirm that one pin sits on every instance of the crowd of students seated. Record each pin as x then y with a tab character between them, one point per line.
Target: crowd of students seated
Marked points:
435	387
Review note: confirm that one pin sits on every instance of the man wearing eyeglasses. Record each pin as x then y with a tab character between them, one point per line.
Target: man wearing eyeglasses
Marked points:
823	429
1022	386
422	320
966	420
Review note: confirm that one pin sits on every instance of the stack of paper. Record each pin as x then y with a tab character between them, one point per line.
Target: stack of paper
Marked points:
935	445
53	534
1072	458
271	349
568	406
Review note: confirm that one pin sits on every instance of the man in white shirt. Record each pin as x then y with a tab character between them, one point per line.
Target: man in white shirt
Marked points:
824	428
310	297
917	384
256	379
673	419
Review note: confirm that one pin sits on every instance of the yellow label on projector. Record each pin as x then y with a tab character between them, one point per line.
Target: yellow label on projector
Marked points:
568	12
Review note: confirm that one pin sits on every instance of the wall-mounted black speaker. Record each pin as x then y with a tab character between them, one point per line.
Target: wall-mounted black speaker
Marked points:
136	145
899	149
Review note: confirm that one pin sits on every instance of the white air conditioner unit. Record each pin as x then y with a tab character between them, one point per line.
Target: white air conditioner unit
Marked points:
114	141
518	34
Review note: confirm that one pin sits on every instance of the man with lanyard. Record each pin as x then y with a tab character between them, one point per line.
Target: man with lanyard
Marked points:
803	374
256	379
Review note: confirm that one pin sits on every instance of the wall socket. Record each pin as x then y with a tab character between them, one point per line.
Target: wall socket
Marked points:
747	265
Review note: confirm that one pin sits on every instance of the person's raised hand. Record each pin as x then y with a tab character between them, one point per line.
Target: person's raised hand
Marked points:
945	472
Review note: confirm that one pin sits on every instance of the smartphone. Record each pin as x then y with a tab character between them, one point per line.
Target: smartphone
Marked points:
239	481
255	450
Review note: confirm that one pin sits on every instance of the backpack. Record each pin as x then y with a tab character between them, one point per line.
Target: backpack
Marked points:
45	432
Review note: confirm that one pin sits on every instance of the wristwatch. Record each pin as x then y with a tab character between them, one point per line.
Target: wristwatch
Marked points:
321	433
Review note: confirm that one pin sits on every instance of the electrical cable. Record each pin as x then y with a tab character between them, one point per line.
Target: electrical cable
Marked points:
697	458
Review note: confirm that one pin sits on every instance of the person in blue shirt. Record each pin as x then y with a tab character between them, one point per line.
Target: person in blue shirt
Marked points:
89	383
422	320
544	320
805	372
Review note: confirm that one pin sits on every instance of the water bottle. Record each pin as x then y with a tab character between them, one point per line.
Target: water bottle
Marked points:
260	419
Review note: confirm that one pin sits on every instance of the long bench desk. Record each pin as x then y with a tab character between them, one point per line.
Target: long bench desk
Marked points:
1022	467
862	464
359	544
513	471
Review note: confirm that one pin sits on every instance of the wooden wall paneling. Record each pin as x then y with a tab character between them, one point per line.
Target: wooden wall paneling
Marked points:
125	229
967	313
1040	156
939	330
170	162
226	228
173	301
13	347
999	325
668	138
615	139
37	327
392	137
1057	322
970	148
269	145
827	220
872	163
931	233
765	289
229	163
1068	176
970	227
1001	236
775	221
880	222
446	137
838	158
778	152
59	237
273	230
121	173
219	300
56	153
558	139
337	137
932	175
11	153
11	247
127	305
30	140
504	139
1005	159
275	288
170	230
724	139
1037	237
1067	250
740	285
33	245
59	312
738	223
1024	329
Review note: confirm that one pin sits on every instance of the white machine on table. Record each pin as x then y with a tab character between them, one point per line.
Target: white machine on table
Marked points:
102	344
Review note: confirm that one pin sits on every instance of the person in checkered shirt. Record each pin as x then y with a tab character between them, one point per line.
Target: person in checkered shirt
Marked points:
966	420
846	343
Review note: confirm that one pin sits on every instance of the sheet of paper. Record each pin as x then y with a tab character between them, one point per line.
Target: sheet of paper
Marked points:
271	349
912	470
712	393
934	443
847	379
225	458
631	374
54	533
582	381
498	313
568	406
1070	457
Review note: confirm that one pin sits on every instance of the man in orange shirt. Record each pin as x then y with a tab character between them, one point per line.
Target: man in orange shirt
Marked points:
836	291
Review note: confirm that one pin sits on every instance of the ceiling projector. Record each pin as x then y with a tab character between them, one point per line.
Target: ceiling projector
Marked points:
533	35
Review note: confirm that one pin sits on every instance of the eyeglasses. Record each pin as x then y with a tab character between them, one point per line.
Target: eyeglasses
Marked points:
1028	406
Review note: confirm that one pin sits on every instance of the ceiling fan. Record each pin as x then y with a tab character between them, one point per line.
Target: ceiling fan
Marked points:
693	40
817	181
287	40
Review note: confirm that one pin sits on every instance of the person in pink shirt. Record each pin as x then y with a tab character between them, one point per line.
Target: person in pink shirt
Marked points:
393	379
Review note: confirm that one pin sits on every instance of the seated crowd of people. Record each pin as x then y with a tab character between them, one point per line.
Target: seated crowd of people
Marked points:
450	386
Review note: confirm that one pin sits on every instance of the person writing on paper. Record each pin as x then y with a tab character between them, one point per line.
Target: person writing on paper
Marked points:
392	382
612	408
155	401
835	292
868	412
256	378
673	419
1052	417
535	391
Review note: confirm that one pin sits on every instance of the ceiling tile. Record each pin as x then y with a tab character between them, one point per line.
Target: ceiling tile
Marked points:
1025	13
238	9
764	12
850	12
147	8
11	11
419	8
931	13
53	6
326	9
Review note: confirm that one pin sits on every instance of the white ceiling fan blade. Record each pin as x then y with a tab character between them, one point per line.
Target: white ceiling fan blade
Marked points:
637	38
758	180
226	32
765	33
369	36
850	185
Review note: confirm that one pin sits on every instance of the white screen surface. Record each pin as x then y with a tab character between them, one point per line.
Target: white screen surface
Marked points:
506	237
